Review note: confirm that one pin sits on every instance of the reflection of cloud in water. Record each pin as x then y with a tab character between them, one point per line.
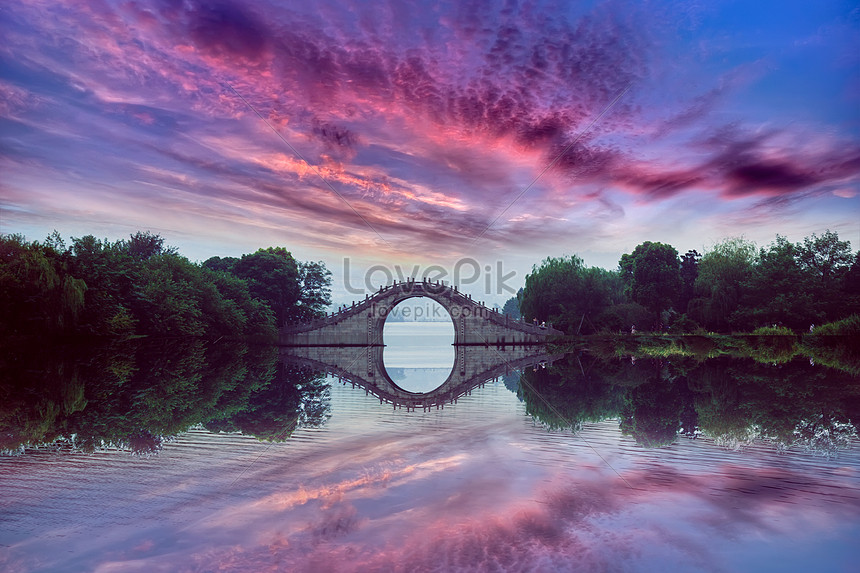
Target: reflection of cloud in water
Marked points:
442	492
485	511
594	524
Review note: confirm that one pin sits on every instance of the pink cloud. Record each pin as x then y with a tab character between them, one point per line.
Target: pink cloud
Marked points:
426	123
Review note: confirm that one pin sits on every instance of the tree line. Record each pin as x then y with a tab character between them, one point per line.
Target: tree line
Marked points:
733	287
139	286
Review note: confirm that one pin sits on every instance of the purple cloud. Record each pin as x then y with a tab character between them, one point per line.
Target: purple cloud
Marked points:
431	119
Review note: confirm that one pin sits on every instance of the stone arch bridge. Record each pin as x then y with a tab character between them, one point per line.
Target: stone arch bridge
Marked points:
362	323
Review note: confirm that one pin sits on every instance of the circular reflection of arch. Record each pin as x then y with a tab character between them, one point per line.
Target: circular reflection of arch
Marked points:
419	354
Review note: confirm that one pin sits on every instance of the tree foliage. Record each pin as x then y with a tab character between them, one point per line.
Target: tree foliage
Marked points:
654	273
734	286
689	273
568	294
777	290
295	291
512	307
140	286
722	273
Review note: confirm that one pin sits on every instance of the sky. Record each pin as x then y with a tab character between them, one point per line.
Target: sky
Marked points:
419	134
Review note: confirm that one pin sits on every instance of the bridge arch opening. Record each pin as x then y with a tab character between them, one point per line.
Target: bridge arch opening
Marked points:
419	335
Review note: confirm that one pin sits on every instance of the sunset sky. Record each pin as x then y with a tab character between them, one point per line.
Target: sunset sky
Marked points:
415	134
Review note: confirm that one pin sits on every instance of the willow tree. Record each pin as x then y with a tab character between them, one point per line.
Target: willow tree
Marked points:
722	273
565	292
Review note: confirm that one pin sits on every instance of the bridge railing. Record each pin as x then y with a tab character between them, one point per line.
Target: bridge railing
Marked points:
345	312
449	291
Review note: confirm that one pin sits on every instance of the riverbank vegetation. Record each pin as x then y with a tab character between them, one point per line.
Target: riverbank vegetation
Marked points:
839	351
734	287
139	286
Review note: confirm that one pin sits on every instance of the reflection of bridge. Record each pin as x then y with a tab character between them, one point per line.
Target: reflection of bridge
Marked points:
361	324
363	366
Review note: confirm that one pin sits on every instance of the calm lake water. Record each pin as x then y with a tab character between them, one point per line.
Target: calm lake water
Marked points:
351	484
418	357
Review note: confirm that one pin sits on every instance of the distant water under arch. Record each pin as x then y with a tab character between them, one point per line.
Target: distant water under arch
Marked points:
419	351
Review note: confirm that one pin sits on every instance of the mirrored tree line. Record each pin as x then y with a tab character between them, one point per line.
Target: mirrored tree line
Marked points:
794	404
138	394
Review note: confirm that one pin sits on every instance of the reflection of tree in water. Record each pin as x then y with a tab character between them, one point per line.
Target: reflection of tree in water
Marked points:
776	402
653	413
566	394
396	373
734	401
136	394
145	443
295	396
512	383
825	435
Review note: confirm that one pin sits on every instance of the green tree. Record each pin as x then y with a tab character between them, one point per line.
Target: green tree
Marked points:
826	256
567	293
111	276
38	294
295	291
145	245
168	300
654	273
777	290
99	287
273	277
621	317
689	274
226	264
722	273
828	260
315	282
850	288
512	307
